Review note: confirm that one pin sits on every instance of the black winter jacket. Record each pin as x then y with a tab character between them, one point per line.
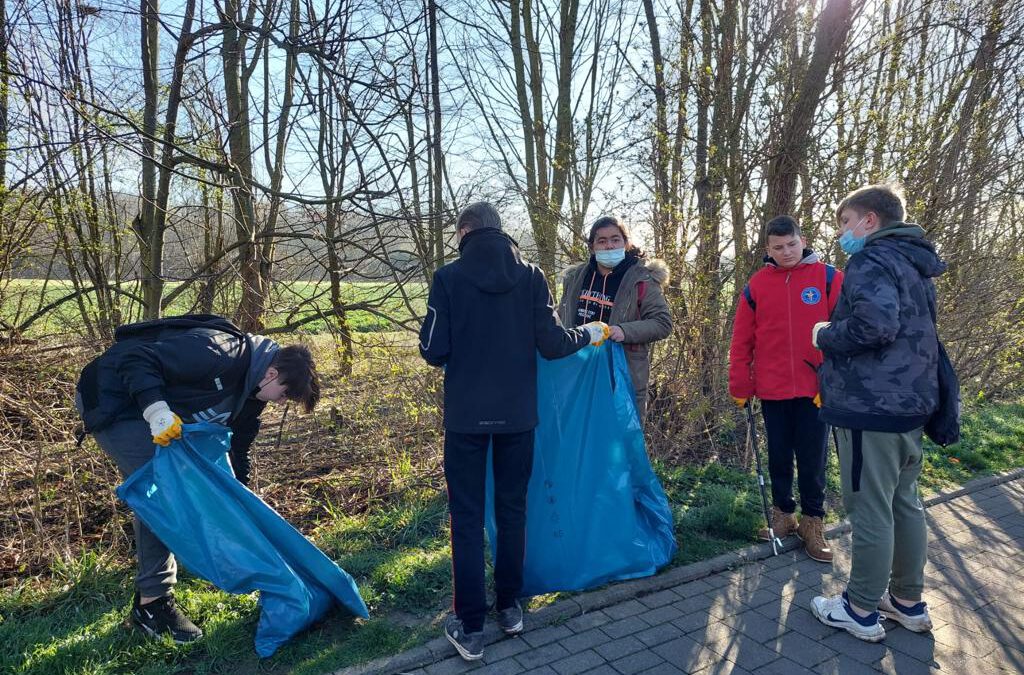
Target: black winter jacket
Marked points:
488	315
203	373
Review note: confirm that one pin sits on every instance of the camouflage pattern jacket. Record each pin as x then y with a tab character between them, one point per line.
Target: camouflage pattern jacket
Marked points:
880	371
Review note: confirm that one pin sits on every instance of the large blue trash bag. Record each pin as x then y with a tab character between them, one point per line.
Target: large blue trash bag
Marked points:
188	496
595	510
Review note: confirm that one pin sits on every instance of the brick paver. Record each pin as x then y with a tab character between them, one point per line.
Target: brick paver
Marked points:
755	619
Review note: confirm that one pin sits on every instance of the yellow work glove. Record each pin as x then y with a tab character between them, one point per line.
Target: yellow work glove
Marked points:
740	402
598	332
163	423
817	399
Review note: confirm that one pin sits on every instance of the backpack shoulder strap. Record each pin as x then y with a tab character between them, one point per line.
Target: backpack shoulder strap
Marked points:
641	291
750	298
830	274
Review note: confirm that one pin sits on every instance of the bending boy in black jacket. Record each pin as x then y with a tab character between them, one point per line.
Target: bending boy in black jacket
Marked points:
196	368
488	315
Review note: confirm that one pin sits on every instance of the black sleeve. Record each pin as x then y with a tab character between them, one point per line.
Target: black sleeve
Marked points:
435	334
243	433
552	340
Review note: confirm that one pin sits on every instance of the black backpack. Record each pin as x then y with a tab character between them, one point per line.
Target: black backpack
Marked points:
943	427
150	330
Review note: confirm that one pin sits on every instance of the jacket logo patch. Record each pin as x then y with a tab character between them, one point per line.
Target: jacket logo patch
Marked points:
810	295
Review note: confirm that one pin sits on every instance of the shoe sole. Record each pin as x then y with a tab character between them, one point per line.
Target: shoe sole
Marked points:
463	652
159	636
910	623
866	637
513	630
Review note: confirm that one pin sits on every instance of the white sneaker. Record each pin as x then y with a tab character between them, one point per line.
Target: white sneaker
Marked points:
835	611
914	618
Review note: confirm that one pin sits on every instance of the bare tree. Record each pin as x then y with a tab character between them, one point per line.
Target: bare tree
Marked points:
789	155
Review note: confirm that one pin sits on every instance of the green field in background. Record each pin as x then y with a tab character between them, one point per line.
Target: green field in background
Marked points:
289	301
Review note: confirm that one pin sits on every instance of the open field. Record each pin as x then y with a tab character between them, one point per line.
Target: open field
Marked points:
390	307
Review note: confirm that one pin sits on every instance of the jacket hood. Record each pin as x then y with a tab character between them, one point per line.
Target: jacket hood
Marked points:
908	240
490	260
263	351
808	258
659	270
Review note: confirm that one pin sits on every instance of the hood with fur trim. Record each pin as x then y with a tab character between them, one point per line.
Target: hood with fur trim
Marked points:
659	270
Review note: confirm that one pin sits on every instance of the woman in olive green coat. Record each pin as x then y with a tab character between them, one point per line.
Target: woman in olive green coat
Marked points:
621	287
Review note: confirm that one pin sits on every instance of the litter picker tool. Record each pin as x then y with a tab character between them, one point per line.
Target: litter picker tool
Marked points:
752	444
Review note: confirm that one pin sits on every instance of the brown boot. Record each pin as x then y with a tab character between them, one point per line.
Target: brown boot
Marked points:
812	531
784	524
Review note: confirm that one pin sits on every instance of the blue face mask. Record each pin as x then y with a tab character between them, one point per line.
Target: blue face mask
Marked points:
610	258
850	243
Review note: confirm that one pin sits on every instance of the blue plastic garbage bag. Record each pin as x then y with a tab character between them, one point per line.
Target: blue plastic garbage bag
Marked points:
188	496
595	509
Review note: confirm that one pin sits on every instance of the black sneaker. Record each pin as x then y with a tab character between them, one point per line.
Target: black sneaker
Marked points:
162	616
510	619
469	645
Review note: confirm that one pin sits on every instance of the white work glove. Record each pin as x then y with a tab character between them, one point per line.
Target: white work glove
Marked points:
814	332
163	424
598	332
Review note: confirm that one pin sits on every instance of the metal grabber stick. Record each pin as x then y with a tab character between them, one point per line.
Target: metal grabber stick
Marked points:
752	443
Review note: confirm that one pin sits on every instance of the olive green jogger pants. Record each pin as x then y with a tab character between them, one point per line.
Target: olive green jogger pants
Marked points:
879	472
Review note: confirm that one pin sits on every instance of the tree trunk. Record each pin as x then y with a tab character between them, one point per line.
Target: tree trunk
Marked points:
664	230
790	154
253	300
437	156
151	239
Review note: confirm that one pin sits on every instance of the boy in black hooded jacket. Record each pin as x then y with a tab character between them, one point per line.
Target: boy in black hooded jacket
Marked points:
488	315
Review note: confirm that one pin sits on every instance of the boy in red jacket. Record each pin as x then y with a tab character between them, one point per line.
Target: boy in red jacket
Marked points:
772	358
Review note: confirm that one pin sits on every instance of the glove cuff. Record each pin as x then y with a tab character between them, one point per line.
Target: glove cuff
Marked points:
154	409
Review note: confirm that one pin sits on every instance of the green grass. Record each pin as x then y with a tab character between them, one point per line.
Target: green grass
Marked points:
400	553
992	441
716	509
22	297
74	623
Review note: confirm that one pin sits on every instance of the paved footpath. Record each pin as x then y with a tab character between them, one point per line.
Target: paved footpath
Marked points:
755	618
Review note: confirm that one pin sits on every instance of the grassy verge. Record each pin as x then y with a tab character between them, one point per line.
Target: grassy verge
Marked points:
74	622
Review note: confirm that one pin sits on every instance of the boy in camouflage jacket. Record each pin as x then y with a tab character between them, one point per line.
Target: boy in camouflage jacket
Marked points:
879	386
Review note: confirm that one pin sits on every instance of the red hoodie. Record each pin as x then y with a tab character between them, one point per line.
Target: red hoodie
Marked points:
771	355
